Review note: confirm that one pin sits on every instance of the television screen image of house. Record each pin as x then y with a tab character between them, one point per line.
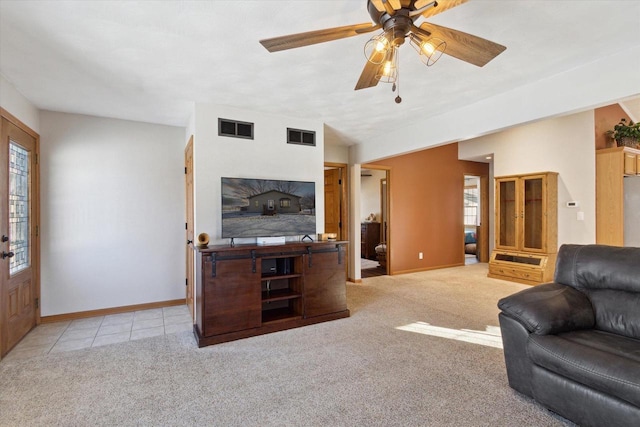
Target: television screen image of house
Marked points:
265	207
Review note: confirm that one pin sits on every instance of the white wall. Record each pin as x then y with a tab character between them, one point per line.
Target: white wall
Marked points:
370	194
112	213
267	156
335	153
191	126
19	106
565	145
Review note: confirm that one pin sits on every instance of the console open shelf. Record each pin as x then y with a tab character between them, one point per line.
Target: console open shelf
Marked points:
277	277
279	295
278	315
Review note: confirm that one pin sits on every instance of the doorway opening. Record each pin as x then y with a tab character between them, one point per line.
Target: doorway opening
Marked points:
472	220
374	221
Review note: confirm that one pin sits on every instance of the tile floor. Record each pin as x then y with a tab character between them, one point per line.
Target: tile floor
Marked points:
103	330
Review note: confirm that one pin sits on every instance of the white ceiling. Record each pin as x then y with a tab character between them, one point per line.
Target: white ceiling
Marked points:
150	60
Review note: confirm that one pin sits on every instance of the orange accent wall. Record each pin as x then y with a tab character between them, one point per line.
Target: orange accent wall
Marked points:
427	208
605	119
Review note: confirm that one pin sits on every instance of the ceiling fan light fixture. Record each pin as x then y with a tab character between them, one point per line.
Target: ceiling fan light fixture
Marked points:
388	70
377	48
430	50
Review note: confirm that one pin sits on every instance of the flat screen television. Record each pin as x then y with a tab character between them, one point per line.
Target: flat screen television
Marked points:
267	208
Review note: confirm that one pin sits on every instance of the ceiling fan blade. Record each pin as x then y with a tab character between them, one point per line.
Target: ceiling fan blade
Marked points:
378	4
313	37
441	7
368	76
389	6
466	47
395	4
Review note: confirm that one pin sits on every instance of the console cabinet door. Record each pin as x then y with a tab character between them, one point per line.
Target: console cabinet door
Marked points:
324	284
231	300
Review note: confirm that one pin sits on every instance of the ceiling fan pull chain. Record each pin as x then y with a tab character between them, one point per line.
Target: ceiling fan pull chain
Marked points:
397	84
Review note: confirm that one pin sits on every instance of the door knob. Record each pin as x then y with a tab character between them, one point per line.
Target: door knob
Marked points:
7	254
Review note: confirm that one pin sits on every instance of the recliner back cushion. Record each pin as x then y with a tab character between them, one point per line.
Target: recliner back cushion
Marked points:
617	312
599	267
610	276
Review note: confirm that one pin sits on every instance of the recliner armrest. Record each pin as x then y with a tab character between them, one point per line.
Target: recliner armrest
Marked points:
549	309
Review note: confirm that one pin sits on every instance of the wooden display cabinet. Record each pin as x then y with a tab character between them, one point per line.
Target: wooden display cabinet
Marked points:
250	290
612	166
526	228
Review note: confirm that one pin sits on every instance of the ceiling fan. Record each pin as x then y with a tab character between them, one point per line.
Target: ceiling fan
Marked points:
397	20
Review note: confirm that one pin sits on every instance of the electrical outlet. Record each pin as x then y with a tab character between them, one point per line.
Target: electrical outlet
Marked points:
419	255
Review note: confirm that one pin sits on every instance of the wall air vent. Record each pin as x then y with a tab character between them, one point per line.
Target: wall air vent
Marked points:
235	128
301	137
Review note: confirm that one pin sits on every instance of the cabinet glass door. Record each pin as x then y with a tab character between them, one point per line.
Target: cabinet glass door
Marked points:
508	214
533	218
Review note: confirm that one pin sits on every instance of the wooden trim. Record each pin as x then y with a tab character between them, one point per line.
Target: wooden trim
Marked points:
344	214
418	270
334	165
112	310
190	273
483	240
482	230
16	121
35	254
350	280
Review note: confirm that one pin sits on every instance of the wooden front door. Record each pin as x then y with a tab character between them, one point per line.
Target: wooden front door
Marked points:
19	291
188	171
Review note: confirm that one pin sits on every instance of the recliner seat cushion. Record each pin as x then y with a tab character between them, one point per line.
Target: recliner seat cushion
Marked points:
603	361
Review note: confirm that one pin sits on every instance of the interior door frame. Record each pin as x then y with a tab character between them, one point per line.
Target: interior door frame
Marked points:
35	217
189	228
387	169
483	238
344	208
483	229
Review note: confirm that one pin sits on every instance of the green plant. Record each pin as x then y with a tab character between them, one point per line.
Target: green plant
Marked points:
624	130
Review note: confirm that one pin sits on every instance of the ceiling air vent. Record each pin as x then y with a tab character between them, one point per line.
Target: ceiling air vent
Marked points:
301	137
235	128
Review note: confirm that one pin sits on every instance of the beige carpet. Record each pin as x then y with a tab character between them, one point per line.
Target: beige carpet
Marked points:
360	371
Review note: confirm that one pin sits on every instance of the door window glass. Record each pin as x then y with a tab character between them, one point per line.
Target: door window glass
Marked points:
18	208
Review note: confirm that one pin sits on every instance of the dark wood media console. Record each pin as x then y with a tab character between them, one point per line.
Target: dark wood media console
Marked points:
248	290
